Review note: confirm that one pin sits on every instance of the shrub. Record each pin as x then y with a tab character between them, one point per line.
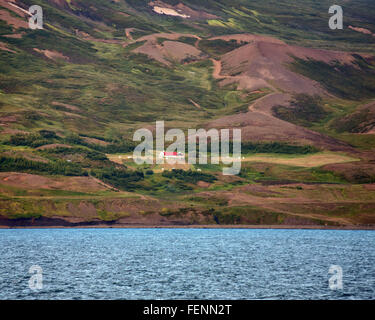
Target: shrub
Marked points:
47	134
119	178
276	147
25	165
305	110
189	176
29	140
348	81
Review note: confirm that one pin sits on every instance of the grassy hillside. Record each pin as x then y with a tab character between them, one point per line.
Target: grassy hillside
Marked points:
72	95
286	19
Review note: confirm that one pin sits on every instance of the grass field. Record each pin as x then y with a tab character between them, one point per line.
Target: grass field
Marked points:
308	161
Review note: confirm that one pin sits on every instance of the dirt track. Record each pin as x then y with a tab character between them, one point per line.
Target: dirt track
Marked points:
258	123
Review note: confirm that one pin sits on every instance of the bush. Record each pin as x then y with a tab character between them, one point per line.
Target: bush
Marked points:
354	81
29	140
119	178
89	154
219	47
44	137
305	110
25	165
267	147
48	134
276	147
189	176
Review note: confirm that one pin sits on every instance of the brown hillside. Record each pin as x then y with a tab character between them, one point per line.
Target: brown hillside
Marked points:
267	60
169	51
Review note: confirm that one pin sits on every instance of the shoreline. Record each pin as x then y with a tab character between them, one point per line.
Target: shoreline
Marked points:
125	226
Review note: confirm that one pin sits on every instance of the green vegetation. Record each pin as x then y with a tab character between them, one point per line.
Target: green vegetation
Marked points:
90	150
350	81
119	178
290	20
188	40
277	174
359	121
211	201
189	176
247	215
108	216
304	110
248	147
57	168
30	140
216	48
231	215
276	147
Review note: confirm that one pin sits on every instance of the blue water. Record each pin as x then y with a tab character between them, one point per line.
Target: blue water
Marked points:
186	263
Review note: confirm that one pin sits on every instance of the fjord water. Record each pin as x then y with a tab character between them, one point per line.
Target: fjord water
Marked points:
186	263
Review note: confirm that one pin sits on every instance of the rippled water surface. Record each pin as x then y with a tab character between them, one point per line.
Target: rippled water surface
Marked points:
186	263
